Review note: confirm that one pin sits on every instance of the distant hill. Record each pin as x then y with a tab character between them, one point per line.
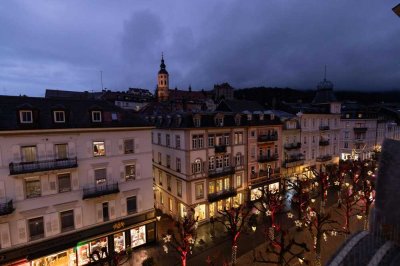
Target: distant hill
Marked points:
273	97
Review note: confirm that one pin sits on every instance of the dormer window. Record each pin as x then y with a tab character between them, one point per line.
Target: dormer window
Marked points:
59	116
197	121
272	116
219	120
25	116
96	116
249	117
237	120
261	117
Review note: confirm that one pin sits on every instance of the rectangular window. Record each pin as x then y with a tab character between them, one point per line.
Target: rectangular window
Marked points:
218	185
226	139
32	187
178	164
201	141
211	142
226	160
160	178
25	116
253	133
36	228
131	205
159	157
59	116
194	142
199	190
238	159
218	162
64	182
167	140
28	154
99	148
161	198
130	172
226	183
61	151
179	188
129	146
238	138
67	220
170	204
169	182
100	176
159	138
106	216
211	163
211	187
178	141
96	116
168	161
238	181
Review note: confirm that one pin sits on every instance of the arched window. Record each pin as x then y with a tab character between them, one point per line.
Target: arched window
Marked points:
197	166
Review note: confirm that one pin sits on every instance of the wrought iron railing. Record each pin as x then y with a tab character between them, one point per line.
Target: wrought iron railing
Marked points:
43	165
100	190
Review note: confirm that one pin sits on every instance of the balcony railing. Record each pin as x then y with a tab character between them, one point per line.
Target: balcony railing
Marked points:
268	137
220	149
360	129
323	128
293	162
324	142
100	190
6	207
229	170
223	194
292	146
266	158
44	165
324	158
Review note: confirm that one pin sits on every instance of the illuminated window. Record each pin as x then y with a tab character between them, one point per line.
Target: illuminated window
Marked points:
130	172
199	189
99	148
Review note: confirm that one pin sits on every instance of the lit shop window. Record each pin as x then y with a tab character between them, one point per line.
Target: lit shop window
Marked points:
138	236
99	148
119	242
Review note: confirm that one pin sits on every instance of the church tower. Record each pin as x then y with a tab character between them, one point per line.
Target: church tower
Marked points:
163	82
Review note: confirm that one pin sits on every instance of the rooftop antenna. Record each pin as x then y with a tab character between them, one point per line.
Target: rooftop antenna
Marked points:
325	73
101	79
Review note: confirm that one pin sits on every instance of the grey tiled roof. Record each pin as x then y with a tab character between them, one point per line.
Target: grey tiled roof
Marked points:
239	106
77	112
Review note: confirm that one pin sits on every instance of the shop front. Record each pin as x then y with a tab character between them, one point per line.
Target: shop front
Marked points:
256	192
119	236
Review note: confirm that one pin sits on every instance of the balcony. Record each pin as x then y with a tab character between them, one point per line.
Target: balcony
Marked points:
223	194
324	158
44	165
323	128
229	170
220	149
266	158
100	190
292	146
360	129
6	207
324	142
267	137
359	140
293	162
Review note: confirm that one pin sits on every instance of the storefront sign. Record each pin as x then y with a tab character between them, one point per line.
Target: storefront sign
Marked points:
118	225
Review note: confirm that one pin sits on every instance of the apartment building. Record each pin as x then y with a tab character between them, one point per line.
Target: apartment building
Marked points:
264	156
359	131
199	162
75	179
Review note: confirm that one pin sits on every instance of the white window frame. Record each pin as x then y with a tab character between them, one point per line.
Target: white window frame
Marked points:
21	116
93	116
55	116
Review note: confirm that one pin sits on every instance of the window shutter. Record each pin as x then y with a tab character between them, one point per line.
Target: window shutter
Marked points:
5	235
89	149
2	190
123	206
99	212
44	181
138	171
75	181
49	151
136	143
16	151
122	172
108	148
55	223
22	234
47	225
120	146
78	217
41	151
19	189
111	205
53	183
139	203
71	149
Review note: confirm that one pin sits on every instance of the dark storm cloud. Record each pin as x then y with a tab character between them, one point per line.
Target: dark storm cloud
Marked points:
64	45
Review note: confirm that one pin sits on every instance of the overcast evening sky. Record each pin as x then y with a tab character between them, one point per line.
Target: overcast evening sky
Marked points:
283	43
